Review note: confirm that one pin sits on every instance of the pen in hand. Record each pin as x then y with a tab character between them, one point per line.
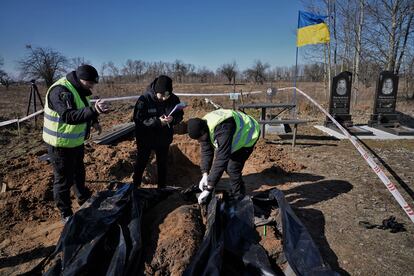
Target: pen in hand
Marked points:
166	120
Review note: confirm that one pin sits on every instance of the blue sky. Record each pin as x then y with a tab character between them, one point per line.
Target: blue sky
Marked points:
205	33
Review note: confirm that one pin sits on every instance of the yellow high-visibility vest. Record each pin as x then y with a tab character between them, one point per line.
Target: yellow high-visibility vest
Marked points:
247	128
56	132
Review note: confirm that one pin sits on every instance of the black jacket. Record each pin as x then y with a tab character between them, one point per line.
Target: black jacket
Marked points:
223	134
148	129
61	100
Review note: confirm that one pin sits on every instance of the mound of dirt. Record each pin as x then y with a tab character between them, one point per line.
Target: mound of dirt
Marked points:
172	232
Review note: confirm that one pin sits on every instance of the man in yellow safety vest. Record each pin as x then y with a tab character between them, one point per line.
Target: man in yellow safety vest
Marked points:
232	135
68	117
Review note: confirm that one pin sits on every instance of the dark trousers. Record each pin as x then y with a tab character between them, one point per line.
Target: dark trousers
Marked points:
69	170
235	168
143	154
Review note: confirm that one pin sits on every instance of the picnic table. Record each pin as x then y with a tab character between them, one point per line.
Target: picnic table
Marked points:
281	108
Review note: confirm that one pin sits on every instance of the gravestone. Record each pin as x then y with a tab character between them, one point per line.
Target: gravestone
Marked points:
340	99
384	116
385	101
339	104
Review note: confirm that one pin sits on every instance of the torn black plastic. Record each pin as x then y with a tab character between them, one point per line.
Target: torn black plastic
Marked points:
104	237
231	244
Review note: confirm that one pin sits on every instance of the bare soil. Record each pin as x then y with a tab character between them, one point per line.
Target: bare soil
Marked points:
328	184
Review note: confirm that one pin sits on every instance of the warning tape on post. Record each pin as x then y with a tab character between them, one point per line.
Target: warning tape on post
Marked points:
378	171
9	122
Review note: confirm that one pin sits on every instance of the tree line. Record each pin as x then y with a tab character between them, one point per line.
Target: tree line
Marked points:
48	64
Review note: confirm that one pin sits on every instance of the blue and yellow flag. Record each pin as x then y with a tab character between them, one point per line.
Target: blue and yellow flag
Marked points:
311	29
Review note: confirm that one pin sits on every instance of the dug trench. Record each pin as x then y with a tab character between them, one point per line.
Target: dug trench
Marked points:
172	230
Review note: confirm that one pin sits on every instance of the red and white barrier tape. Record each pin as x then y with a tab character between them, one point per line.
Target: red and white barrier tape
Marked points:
179	94
31	115
9	122
378	171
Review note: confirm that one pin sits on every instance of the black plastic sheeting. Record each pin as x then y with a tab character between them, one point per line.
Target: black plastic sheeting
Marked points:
104	237
300	250
231	244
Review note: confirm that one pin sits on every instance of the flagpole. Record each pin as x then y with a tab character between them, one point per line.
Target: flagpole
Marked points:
296	72
294	83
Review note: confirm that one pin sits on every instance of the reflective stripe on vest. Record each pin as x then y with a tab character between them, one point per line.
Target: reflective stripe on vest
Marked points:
247	128
56	132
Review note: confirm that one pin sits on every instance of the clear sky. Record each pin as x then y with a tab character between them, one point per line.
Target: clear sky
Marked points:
205	33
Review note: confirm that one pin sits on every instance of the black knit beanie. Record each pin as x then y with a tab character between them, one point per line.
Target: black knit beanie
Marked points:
87	73
162	84
196	127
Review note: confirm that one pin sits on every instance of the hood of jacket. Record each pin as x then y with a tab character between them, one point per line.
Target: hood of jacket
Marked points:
150	91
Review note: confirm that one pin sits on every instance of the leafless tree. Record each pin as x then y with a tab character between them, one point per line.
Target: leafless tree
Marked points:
408	73
389	26
257	72
350	18
113	70
4	78
314	72
44	63
134	69
102	72
157	68
205	75
77	61
284	73
229	70
358	48
180	70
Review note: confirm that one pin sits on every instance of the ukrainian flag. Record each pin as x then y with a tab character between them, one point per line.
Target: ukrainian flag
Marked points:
311	29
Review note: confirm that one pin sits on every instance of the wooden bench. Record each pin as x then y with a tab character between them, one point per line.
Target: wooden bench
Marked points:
294	122
281	107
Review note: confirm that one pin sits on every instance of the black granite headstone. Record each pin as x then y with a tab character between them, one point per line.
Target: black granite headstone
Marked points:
385	100
339	103
384	116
